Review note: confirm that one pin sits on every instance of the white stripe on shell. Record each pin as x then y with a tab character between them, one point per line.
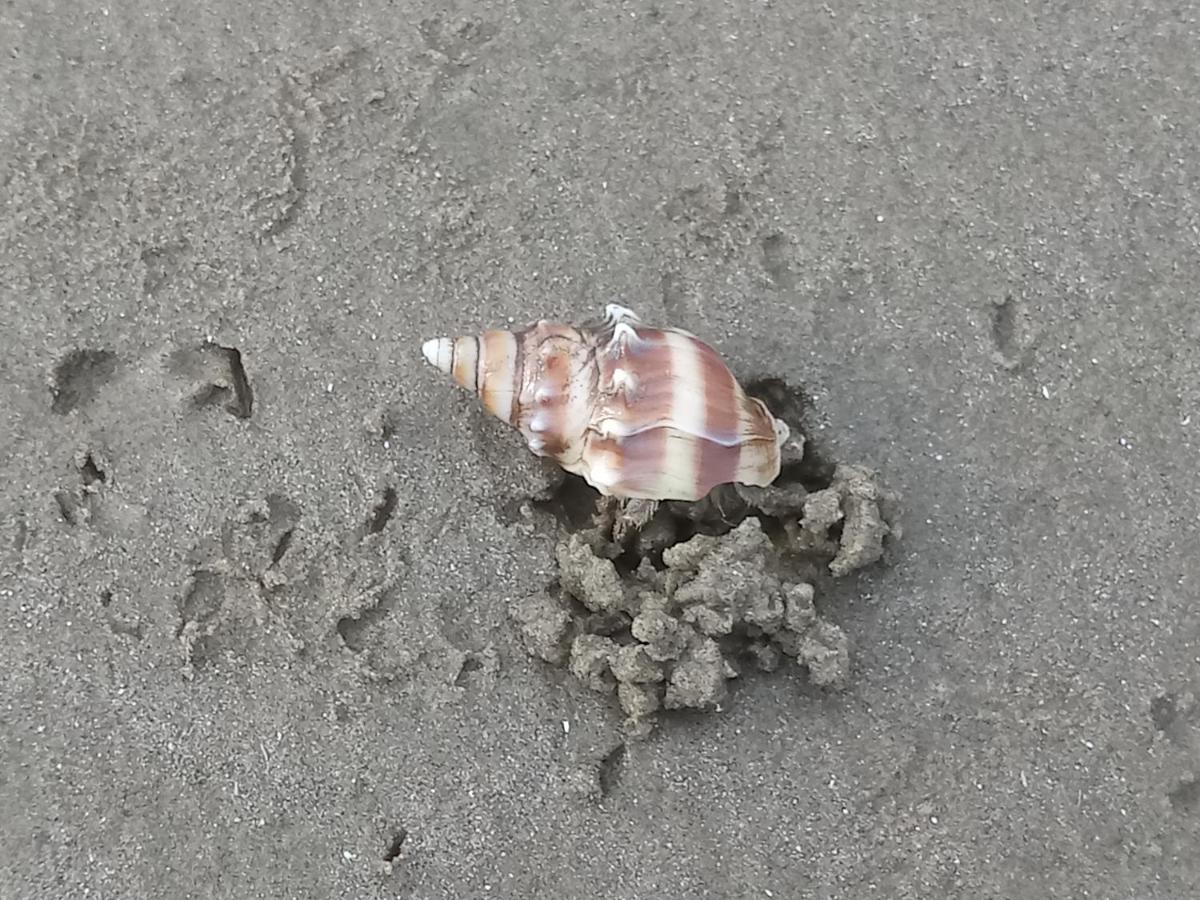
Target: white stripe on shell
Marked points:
687	406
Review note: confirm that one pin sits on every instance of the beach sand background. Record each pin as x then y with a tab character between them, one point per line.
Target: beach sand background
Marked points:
257	557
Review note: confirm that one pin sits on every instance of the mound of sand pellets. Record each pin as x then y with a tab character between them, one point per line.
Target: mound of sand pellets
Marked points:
654	609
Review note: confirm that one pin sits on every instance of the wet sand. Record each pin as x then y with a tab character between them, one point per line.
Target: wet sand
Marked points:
259	562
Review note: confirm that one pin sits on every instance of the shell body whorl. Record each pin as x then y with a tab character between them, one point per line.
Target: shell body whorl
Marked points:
637	412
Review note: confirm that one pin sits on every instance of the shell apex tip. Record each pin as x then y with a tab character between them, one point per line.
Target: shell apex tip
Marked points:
437	353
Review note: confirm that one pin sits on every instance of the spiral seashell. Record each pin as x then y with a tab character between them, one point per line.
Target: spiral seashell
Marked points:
637	412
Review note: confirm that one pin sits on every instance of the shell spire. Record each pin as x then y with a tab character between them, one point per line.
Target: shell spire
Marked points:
638	412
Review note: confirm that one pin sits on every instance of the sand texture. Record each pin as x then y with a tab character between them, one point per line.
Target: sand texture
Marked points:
286	614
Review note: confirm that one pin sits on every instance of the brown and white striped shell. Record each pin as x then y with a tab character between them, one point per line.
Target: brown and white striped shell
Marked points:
637	412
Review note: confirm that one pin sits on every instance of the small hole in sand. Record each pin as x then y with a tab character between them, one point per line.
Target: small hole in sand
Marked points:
395	846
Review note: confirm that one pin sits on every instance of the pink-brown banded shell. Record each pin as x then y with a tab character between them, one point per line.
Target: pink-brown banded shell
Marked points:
636	411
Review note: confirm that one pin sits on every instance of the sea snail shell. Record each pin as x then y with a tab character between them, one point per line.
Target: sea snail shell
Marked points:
637	412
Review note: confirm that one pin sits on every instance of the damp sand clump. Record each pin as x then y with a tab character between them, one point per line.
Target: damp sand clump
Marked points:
663	604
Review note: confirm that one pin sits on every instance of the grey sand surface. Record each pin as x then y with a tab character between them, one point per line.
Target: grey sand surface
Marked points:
258	560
